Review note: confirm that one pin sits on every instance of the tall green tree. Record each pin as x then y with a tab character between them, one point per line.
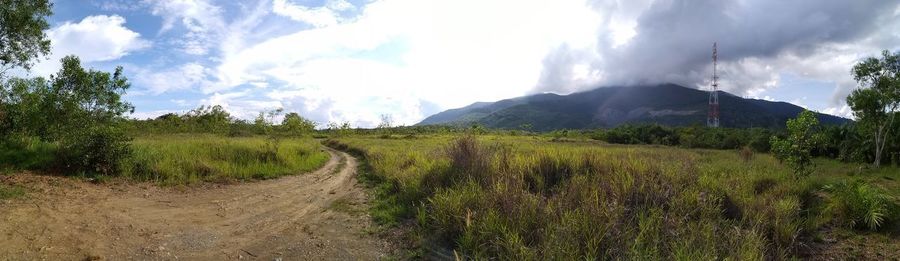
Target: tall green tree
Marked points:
796	148
22	37
294	124
876	103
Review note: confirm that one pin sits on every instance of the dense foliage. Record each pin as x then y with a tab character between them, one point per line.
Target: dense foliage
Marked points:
216	120
796	148
689	137
79	110
22	32
877	104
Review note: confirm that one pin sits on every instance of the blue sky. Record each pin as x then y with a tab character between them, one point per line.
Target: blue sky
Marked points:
339	60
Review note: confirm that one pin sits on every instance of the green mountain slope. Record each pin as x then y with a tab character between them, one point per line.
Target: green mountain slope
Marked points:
666	104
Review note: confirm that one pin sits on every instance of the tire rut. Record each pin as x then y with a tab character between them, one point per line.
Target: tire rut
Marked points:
285	217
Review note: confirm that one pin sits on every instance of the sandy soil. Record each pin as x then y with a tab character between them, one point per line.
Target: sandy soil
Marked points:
312	216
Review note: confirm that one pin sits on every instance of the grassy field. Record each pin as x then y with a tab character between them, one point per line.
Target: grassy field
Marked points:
525	197
181	159
184	158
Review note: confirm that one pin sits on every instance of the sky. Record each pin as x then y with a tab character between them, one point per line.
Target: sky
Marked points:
355	60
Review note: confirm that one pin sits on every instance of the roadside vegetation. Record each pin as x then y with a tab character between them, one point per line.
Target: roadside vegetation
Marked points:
180	159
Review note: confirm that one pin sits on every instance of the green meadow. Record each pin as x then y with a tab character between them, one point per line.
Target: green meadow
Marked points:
533	198
176	159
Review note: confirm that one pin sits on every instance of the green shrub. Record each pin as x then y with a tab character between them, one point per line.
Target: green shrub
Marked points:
862	205
796	148
98	150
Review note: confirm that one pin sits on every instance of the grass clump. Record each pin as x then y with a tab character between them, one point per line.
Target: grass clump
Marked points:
9	192
860	205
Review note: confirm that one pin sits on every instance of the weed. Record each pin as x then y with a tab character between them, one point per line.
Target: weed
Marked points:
8	191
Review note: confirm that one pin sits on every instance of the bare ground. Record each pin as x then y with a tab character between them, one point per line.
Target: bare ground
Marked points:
312	216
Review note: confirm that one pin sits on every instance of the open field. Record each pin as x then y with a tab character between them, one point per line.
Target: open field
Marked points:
524	197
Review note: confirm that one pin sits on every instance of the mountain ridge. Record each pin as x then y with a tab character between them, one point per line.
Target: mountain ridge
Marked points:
666	104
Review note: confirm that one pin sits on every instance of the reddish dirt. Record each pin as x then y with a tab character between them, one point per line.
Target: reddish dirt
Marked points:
313	216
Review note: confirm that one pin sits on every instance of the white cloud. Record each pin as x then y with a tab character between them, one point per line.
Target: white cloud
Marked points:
186	76
326	15
201	19
93	39
397	53
842	111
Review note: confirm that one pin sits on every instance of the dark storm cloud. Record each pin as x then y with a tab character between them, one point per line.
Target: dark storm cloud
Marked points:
674	38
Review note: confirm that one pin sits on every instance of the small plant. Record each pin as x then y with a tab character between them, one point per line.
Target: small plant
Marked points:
862	204
796	148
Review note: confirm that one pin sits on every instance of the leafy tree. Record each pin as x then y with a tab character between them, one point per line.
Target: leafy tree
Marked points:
796	148
22	37
209	119
79	109
877	104
294	124
21	103
342	129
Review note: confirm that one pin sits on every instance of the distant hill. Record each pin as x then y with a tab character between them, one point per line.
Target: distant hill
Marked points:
666	104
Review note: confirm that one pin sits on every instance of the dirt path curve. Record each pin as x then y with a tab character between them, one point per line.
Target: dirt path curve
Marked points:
312	216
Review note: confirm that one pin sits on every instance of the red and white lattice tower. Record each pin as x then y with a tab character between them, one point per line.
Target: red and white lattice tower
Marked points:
712	120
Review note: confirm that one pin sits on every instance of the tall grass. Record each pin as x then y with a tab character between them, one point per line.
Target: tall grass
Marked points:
26	153
525	198
181	159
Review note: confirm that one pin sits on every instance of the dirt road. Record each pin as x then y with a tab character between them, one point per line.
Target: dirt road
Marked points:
312	216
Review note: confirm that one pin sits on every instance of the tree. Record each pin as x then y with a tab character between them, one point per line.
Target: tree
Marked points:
877	102
264	122
79	109
796	148
340	129
294	124
22	37
209	118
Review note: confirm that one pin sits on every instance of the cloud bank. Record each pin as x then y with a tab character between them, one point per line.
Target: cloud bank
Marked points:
337	60
758	42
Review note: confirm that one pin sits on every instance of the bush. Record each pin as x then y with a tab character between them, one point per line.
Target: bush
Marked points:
79	110
862	205
98	150
796	148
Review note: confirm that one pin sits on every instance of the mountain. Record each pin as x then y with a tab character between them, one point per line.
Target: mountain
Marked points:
666	104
